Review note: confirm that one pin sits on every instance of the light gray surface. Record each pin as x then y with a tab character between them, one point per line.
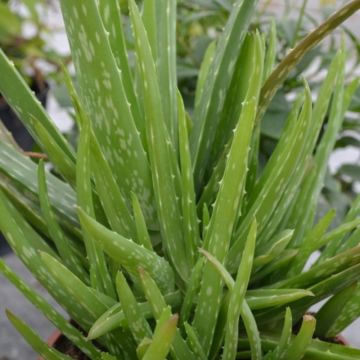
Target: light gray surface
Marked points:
12	346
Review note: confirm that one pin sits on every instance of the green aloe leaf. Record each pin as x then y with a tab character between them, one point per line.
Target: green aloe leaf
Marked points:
262	298
105	100
349	313
254	165
245	77
179	348
267	298
252	331
161	153
204	71
193	341
61	196
193	287
299	344
306	196
211	189
13	226
99	274
142	234
63	164
23	101
321	290
226	276
244	309
128	253
143	347
61	242
139	327
34	340
219	330
310	242
111	17
321	271
163	336
159	18
330	311
222	222
354	210
317	349
90	301
276	179
303	200
321	109
107	356
188	198
26	204
285	338
275	267
111	197
315	181
339	232
75	100
278	154
352	241
151	24
279	244
217	84
152	293
114	317
55	317
166	62
205	220
237	297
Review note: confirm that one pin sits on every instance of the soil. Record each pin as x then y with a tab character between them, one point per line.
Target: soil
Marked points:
67	347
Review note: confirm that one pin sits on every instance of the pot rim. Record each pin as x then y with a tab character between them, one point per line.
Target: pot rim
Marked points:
53	339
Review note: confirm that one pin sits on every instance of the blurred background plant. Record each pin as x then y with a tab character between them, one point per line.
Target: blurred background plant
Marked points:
23	38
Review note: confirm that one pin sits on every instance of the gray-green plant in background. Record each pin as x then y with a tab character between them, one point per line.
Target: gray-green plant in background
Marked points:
159	235
25	50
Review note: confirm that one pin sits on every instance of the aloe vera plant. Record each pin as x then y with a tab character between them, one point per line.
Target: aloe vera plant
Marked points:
158	235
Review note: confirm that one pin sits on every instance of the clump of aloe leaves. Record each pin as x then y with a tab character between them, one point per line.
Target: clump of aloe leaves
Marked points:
158	235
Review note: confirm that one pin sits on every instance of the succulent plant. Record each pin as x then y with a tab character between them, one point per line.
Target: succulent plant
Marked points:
158	235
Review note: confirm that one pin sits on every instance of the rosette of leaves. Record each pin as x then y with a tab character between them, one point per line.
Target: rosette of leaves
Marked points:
157	234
